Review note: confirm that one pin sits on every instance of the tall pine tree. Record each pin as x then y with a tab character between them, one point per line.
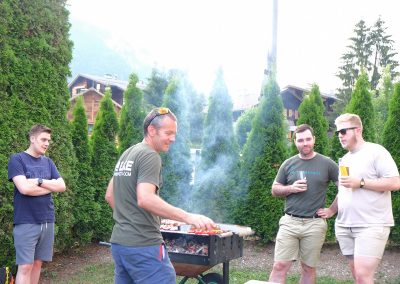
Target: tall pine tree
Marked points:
264	151
35	52
391	141
216	178
311	112
104	156
86	210
177	168
132	115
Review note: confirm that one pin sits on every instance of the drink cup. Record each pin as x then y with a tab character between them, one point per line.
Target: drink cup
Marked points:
343	169
302	175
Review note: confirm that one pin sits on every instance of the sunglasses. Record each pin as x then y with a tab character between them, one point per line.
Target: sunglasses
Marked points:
344	130
159	111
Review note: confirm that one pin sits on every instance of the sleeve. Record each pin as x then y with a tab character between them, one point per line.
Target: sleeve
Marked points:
385	165
333	170
53	170
281	176
149	169
15	167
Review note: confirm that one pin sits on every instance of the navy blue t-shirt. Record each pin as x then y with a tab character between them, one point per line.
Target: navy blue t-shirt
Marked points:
32	209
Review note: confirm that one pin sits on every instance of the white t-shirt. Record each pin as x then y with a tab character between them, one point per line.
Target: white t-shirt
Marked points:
361	207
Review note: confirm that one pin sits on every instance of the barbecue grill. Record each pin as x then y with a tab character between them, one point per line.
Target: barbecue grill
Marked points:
193	254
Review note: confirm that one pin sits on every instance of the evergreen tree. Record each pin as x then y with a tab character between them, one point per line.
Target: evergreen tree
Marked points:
383	53
103	160
177	168
311	112
243	126
85	208
264	151
132	115
154	91
381	103
34	55
391	140
215	181
371	49
361	104
197	104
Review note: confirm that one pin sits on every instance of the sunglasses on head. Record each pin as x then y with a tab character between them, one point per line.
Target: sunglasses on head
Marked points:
159	111
344	130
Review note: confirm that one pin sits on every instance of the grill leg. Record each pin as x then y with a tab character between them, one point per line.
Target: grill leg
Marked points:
225	272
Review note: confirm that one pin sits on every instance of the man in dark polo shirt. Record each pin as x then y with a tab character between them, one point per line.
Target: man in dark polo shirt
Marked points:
136	241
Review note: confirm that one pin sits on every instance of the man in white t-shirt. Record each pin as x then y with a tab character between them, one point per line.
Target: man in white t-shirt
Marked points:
363	203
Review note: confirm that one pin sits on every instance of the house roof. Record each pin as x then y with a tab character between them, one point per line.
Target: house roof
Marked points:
107	80
94	90
304	90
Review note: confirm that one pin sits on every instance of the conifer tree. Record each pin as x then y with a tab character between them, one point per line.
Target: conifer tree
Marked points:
264	151
311	112
215	181
35	52
86	210
154	91
177	168
361	104
243	126
104	156
132	115
391	141
381	103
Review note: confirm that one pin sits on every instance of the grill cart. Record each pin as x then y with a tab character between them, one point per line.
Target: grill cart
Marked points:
192	254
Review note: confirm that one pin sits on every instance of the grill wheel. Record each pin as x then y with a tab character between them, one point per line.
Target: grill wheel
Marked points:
211	278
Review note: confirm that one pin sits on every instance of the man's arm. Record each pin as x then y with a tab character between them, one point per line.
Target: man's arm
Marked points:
110	194
54	185
380	184
29	186
329	212
151	202
280	190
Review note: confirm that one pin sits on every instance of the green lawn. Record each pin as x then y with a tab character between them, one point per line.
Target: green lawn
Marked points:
103	274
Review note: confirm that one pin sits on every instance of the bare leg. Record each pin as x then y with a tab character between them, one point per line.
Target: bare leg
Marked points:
35	274
279	271
24	273
364	269
308	274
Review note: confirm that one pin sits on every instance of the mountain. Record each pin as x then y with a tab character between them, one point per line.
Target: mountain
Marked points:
92	54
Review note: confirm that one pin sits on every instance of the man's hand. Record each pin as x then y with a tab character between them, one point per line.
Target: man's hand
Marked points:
299	186
349	182
200	221
325	213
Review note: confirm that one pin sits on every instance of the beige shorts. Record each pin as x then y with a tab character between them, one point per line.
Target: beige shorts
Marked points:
362	241
300	238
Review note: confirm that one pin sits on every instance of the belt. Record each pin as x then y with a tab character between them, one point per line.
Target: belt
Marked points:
304	217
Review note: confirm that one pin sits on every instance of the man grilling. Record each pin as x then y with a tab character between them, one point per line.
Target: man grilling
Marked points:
133	192
303	180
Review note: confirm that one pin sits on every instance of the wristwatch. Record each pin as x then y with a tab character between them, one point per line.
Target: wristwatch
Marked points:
362	183
39	181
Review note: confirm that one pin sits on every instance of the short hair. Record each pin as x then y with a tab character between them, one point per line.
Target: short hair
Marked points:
155	118
349	117
37	129
303	127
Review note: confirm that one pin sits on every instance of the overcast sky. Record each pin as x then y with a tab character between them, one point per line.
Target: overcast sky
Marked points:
198	36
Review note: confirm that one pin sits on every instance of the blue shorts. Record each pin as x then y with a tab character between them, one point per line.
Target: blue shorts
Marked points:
33	242
142	265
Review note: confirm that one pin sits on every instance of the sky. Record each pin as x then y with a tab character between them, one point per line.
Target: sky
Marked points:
201	36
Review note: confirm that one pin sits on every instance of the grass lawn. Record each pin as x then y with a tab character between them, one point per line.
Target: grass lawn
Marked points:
103	274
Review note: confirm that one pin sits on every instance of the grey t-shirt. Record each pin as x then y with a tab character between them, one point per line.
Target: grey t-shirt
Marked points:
319	171
135	226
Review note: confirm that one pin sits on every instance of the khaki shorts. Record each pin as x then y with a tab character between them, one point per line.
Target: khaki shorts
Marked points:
300	238
362	241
